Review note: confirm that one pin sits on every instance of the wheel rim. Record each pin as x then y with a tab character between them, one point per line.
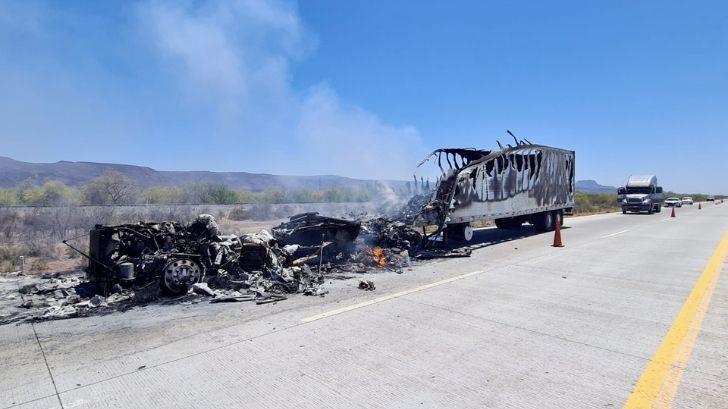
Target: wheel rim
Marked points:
180	274
468	233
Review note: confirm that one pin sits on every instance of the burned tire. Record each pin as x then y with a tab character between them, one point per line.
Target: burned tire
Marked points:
544	221
549	221
460	232
179	274
509	223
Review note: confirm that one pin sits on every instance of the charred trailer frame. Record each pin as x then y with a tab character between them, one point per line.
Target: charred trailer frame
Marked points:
526	183
308	229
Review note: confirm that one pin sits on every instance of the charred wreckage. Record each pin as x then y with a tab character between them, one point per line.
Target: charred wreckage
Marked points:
178	256
516	184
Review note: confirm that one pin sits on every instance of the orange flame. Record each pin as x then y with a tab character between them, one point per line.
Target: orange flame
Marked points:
377	254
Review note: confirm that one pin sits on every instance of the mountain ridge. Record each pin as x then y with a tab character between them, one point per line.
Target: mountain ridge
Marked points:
13	172
591	186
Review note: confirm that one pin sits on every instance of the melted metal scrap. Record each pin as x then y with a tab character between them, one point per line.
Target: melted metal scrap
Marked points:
383	232
308	229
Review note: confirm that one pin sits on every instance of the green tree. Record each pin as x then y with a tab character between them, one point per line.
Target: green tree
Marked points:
28	192
55	193
208	193
110	188
8	197
221	194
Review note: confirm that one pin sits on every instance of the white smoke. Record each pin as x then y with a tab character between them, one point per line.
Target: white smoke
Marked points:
236	57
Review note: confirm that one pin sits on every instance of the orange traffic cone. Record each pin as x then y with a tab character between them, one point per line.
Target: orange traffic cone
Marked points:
699	206
557	235
673	212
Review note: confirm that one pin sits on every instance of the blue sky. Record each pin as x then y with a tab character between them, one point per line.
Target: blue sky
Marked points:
365	89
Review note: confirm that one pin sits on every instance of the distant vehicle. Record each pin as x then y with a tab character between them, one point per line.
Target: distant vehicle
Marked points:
687	200
710	199
641	194
673	202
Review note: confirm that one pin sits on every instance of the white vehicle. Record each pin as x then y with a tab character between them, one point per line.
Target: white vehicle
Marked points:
687	200
673	202
641	194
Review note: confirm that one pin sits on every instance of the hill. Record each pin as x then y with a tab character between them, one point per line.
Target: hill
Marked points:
591	186
13	172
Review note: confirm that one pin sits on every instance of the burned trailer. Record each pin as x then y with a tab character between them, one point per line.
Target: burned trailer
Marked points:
511	186
166	254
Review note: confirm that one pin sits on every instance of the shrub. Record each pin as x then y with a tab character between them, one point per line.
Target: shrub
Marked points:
238	213
595	202
39	264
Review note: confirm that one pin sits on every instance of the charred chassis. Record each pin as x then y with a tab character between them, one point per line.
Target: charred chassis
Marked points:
137	254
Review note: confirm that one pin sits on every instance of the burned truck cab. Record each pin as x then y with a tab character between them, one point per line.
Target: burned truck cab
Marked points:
137	254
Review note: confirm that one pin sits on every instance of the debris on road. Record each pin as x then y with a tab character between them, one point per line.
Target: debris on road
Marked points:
137	264
169	262
444	253
202	289
367	285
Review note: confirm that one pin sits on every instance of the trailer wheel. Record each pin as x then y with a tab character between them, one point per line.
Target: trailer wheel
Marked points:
549	217
460	232
544	221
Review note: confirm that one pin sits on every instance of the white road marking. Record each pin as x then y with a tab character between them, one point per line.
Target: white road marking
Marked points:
614	234
388	297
